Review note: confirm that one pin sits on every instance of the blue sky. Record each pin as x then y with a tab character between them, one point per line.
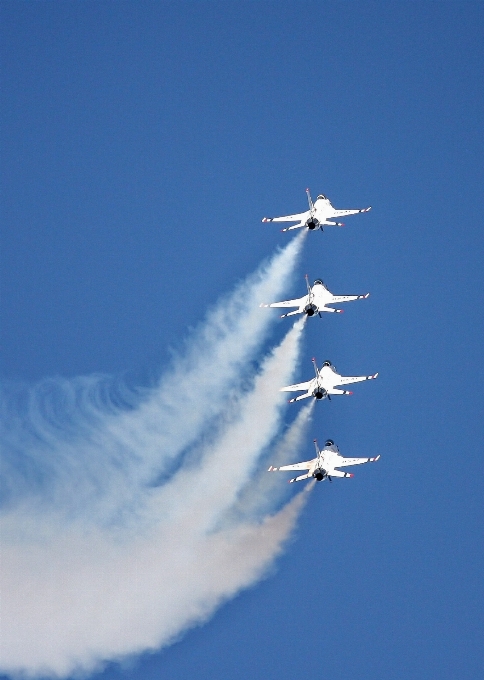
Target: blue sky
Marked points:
142	144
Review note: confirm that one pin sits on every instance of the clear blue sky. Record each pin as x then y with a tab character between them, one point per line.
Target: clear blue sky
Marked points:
142	143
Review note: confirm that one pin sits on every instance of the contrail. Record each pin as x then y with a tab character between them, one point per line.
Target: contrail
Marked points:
122	561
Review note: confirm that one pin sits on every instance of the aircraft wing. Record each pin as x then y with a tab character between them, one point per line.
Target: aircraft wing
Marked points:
343	462
297	387
288	303
348	298
300	217
297	466
340	213
346	380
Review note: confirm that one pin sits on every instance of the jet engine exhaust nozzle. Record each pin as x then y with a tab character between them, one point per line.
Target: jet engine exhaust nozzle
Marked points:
310	310
312	223
319	393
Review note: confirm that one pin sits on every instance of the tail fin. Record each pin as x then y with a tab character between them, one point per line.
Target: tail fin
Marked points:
310	201
298	479
315	367
309	287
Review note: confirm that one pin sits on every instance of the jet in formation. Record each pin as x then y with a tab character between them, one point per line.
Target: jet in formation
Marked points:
315	301
318	215
325	383
325	464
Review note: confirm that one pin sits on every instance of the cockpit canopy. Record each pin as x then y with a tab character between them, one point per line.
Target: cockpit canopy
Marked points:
329	442
321	196
318	281
327	363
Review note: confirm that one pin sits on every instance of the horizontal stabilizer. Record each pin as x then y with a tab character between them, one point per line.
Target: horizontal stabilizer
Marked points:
301	396
339	473
299	479
330	309
295	226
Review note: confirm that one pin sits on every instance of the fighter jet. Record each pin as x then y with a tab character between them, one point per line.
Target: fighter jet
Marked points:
325	464
317	215
324	384
315	301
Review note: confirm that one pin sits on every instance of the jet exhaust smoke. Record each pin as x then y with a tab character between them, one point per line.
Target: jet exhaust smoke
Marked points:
64	436
262	492
119	522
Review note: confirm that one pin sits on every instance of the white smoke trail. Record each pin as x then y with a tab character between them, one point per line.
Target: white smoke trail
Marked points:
261	494
231	460
69	433
85	598
78	590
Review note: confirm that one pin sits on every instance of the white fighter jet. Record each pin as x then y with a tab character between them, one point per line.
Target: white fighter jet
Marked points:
325	464
325	383
315	301
317	216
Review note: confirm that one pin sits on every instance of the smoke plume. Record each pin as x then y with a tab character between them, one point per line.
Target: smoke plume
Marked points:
125	517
